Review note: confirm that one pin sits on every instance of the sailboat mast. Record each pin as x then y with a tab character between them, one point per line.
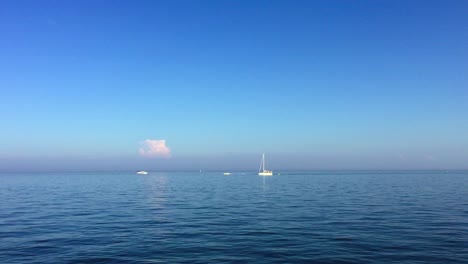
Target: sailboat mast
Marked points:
261	164
263	161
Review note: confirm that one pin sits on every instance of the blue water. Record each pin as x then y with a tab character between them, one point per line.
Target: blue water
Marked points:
302	217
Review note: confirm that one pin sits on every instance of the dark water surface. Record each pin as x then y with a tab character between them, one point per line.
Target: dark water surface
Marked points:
303	217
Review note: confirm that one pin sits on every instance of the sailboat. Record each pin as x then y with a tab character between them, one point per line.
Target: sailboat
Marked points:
261	170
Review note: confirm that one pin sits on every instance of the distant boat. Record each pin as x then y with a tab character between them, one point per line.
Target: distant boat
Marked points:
261	170
227	173
142	172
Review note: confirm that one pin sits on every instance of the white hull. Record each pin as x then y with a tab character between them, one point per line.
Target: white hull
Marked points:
142	172
265	174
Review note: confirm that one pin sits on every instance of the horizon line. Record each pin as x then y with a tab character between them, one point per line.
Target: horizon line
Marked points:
237	170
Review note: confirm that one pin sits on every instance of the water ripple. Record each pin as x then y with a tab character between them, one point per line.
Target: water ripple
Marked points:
297	217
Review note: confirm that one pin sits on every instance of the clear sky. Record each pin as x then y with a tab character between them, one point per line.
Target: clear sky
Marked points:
97	85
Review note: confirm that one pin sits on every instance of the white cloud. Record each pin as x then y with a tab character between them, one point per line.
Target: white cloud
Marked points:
154	148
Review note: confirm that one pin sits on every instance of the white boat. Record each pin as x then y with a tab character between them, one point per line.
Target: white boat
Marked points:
261	170
142	172
227	173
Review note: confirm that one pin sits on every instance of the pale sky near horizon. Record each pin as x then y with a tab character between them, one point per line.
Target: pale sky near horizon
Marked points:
168	85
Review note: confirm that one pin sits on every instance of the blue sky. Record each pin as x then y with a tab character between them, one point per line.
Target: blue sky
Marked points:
314	84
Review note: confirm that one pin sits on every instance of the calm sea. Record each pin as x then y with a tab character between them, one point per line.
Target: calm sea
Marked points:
296	217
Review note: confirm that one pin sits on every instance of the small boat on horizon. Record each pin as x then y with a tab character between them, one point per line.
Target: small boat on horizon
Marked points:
261	170
142	172
227	173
